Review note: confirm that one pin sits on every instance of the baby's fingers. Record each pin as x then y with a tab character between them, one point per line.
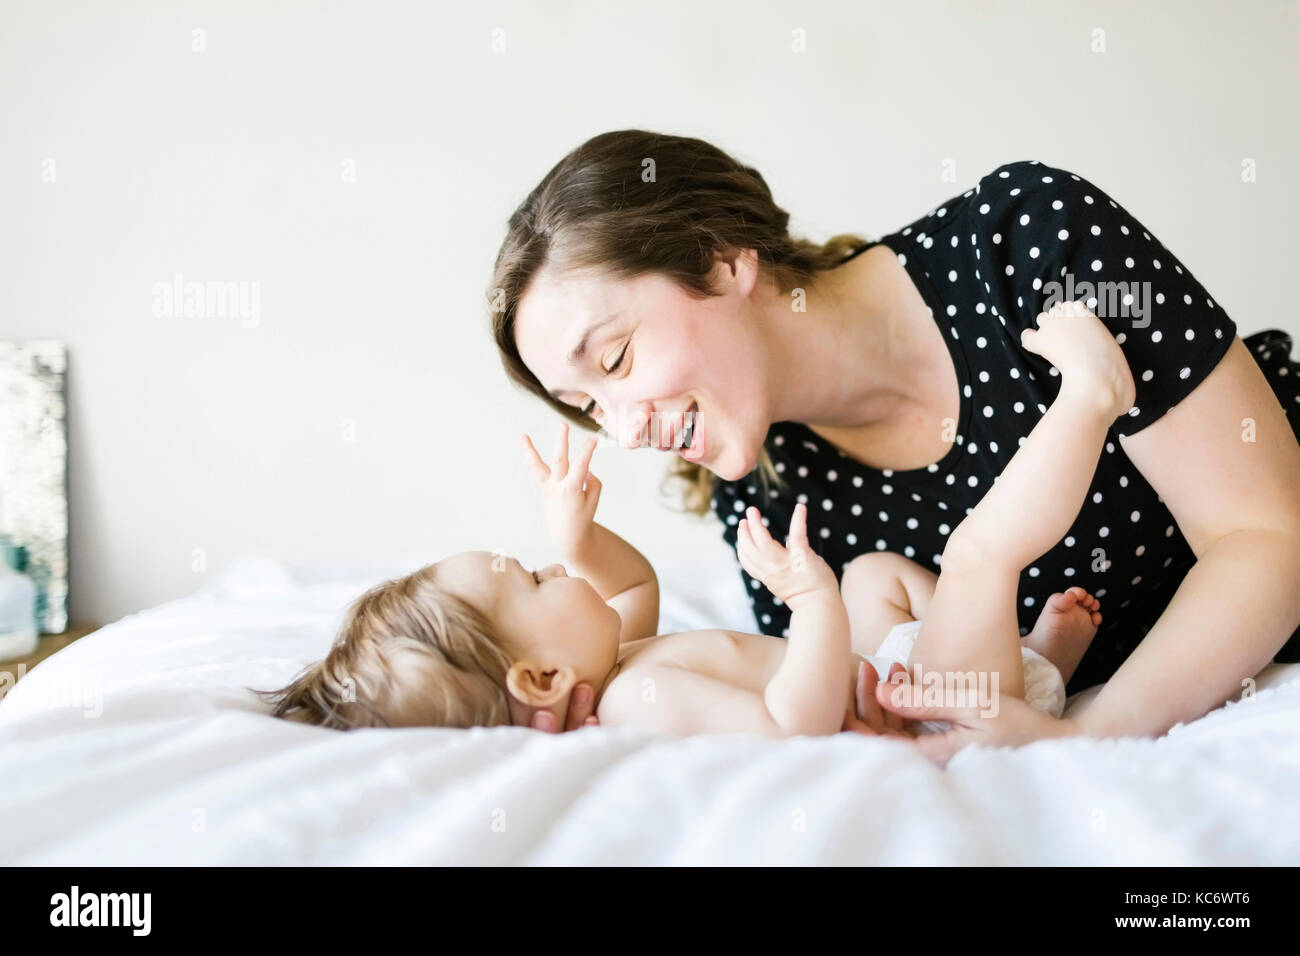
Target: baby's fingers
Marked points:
799	525
539	469
578	473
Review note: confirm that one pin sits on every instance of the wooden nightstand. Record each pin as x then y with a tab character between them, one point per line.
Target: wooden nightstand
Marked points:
48	644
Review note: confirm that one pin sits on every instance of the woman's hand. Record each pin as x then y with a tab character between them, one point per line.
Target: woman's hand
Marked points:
569	495
870	718
1015	723
580	713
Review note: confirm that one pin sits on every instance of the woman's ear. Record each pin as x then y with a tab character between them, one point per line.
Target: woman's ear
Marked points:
536	686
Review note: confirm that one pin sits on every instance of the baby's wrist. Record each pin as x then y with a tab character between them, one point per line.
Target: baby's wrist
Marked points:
818	595
575	550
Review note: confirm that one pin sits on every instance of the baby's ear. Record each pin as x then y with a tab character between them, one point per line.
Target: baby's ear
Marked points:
536	686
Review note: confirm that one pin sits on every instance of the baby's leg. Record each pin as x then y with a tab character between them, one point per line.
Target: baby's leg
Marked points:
972	623
880	590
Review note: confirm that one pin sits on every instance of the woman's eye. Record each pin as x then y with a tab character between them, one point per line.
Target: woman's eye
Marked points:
618	361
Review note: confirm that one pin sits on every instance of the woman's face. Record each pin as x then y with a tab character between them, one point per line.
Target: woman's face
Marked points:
660	353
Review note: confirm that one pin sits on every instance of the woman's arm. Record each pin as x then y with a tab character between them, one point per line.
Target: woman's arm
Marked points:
1226	463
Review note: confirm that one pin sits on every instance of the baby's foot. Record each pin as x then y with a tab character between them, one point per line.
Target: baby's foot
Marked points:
1084	351
1065	629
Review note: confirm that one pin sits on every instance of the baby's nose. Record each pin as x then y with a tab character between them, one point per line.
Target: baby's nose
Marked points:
555	570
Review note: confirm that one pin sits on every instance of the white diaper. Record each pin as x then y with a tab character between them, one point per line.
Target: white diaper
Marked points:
1044	687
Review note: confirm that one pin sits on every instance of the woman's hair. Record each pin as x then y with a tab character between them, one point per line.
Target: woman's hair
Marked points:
630	203
410	653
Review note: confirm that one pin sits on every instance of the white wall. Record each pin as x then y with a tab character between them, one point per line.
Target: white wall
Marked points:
227	165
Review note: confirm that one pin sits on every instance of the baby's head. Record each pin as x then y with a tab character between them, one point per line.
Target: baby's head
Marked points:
474	640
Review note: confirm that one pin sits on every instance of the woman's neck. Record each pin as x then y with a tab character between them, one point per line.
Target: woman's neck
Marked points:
852	358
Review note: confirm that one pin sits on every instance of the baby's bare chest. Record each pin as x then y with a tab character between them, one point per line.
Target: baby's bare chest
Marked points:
747	661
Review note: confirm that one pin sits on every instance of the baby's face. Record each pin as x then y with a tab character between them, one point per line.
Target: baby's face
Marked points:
553	619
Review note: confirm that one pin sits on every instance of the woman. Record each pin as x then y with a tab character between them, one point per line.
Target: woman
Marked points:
649	282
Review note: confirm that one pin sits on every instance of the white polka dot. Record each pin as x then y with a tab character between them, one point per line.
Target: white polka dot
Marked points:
1069	541
1024	220
1096	265
1157	335
827	504
832	475
1018	407
1148	375
1103	532
856	510
880	544
952	275
1190	334
1057	204
887	489
1033	252
882	516
1096	230
1033	572
1135	516
988	411
1183	373
1010	270
981	341
984	209
972	481
1096	498
1063	234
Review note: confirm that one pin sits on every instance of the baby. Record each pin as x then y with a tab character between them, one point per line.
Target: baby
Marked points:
477	639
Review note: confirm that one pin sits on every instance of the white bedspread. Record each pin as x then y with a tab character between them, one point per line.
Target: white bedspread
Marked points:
138	745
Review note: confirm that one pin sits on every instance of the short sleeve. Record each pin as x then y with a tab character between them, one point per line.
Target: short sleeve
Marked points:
1045	235
771	615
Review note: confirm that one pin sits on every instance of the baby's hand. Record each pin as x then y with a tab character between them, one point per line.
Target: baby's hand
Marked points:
792	573
569	495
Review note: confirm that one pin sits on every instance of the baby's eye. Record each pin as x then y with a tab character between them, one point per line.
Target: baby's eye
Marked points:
536	578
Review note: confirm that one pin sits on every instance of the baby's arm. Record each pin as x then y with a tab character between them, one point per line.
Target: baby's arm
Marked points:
805	695
619	572
622	576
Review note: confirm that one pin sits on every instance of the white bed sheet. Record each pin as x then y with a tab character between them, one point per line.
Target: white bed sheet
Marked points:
139	745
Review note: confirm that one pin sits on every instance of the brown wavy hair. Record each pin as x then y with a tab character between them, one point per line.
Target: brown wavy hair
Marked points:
632	203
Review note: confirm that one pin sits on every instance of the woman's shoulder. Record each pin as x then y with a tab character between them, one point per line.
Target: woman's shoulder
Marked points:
1042	234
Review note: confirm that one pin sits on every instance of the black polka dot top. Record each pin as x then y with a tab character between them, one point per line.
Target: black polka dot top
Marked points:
985	262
